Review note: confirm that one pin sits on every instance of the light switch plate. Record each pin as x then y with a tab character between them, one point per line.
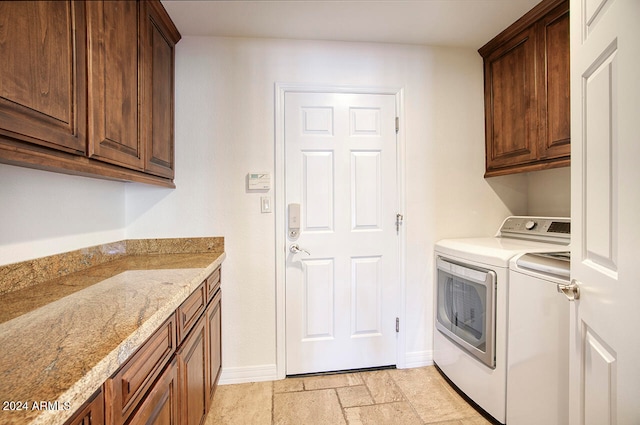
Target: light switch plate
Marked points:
265	204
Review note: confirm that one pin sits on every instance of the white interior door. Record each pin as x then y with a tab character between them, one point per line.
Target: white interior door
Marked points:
605	127
341	295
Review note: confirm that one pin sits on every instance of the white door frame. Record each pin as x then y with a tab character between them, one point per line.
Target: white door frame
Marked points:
280	216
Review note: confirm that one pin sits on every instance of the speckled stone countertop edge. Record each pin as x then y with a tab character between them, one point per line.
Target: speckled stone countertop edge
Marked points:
28	273
93	380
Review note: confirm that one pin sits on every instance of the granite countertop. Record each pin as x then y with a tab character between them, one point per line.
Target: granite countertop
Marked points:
63	337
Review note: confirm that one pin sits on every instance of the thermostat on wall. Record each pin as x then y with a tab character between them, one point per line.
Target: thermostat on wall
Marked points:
259	181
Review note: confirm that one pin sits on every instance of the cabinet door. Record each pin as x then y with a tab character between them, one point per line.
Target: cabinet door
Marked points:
554	85
510	104
42	73
192	370
157	115
214	334
160	406
91	413
113	57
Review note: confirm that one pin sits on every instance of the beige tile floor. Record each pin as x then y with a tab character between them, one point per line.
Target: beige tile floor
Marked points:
392	396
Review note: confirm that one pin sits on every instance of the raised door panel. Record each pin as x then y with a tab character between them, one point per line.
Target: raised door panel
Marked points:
42	73
160	407
555	116
113	57
158	111
214	334
511	115
192	370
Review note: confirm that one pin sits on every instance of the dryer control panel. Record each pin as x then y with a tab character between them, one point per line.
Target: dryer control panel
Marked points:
551	229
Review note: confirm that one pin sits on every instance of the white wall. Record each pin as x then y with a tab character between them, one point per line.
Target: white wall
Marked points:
225	111
225	129
44	213
549	193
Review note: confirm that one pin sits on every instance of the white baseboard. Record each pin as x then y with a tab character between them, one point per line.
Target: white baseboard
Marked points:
418	359
269	372
242	375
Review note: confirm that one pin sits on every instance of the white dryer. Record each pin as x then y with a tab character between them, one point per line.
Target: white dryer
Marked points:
471	295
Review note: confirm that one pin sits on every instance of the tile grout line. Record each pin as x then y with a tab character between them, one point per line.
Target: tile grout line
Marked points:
415	411
344	414
342	408
273	403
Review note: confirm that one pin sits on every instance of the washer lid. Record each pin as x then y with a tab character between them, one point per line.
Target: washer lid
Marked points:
556	264
494	251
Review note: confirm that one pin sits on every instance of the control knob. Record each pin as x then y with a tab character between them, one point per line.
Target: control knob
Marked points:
529	225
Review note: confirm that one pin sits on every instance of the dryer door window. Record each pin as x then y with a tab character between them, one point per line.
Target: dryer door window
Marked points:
465	308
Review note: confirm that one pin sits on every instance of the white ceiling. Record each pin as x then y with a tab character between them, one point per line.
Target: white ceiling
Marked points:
460	23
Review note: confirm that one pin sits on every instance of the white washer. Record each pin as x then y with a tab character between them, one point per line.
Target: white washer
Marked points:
470	339
538	340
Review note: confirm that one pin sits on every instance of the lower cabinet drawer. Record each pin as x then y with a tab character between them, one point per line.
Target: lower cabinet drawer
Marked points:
160	406
91	412
190	311
126	388
213	284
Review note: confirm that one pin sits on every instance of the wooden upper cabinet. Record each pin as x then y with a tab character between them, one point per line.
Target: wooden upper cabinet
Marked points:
42	73
510	102
527	111
87	87
113	52
131	85
158	62
555	84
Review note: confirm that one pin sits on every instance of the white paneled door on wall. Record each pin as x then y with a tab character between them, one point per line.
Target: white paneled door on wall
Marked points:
605	208
342	293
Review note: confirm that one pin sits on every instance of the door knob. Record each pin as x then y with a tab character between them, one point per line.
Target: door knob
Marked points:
294	249
571	291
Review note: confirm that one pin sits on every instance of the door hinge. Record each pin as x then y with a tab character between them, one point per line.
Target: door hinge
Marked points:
397	324
399	221
397	124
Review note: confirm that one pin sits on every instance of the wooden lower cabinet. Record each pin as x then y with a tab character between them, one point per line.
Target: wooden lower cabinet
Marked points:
171	378
192	370
199	365
91	412
214	333
160	406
